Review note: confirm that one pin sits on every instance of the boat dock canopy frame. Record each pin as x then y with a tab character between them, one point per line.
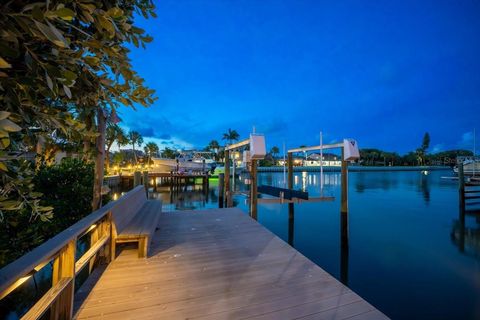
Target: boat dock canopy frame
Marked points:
322	147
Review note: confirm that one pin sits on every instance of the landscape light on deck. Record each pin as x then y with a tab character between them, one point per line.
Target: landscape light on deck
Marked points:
93	226
15	285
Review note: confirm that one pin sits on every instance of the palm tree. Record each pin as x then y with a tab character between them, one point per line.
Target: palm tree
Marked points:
135	139
112	134
151	149
122	139
230	136
214	146
274	151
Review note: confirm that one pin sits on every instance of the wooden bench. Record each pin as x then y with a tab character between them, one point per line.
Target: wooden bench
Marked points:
135	219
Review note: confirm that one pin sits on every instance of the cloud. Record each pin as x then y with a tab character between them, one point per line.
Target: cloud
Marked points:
438	147
466	141
164	136
274	126
145	132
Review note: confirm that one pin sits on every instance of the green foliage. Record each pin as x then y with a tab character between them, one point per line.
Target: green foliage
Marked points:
212	146
168	153
230	136
274	151
112	134
67	189
151	149
18	194
449	157
118	158
425	142
376	157
60	61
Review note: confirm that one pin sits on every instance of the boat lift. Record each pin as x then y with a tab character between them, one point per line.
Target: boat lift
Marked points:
256	142
257	151
350	152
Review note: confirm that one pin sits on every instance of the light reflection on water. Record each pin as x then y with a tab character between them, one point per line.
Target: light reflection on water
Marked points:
411	253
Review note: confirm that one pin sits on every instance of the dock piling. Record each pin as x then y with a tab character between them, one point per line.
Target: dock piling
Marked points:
137	178
253	190
461	186
221	178
227	178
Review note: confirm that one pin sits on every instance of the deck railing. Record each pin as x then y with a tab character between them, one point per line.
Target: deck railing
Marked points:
61	251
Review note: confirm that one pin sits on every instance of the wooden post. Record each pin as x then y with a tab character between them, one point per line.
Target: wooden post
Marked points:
344	185
137	178
344	247
108	230
461	186
227	177
64	268
291	224
145	181
233	171
290	170
253	191
95	234
461	220
221	190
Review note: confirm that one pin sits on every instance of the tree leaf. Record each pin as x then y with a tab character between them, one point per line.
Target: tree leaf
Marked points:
3	167
49	81
69	75
37	14
107	25
58	34
4	143
138	30
4	64
115	12
52	34
65	14
147	39
67	91
92	61
9	126
4	115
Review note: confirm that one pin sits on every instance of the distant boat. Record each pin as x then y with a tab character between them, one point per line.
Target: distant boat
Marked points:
191	161
471	165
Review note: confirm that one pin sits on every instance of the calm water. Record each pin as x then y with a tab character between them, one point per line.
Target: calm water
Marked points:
405	239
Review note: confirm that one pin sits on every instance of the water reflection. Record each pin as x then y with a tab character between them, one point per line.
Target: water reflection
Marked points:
465	233
421	181
424	187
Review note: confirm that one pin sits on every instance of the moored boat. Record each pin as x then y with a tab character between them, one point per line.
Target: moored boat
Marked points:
471	165
194	161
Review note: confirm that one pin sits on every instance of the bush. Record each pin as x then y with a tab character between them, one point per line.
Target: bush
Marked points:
68	188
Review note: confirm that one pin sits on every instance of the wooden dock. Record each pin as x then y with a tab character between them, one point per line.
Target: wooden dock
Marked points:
217	264
174	179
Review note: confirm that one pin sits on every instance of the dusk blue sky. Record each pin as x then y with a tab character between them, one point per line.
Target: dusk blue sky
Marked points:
381	72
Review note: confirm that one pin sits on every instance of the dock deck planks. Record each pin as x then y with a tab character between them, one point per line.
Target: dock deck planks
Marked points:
218	264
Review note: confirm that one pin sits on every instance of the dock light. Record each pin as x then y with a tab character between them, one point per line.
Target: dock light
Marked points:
93	226
15	285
